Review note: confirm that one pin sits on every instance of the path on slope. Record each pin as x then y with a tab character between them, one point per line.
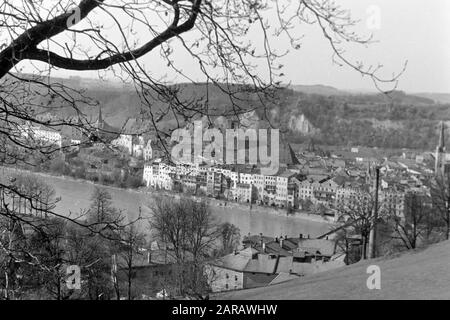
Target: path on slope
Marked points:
423	274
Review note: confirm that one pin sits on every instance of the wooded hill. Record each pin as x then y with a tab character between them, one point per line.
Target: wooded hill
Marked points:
332	117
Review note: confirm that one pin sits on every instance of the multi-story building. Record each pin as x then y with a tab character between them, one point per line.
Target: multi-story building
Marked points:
214	183
159	175
285	190
243	193
147	152
47	136
124	141
393	201
151	174
259	184
270	190
281	189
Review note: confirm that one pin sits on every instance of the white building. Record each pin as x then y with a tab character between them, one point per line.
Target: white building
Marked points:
47	136
148	151
124	141
281	190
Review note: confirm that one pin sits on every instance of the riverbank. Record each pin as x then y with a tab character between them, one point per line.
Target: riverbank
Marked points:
273	211
221	204
75	196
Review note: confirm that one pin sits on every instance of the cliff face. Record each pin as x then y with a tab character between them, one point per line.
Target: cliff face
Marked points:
301	125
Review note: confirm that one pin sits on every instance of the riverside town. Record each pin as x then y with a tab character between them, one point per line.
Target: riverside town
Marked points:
194	154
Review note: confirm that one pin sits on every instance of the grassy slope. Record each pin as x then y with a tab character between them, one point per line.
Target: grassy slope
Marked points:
414	275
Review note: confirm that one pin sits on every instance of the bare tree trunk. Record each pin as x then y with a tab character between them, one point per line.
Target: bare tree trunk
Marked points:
130	270
363	248
6	286
346	250
58	287
447	231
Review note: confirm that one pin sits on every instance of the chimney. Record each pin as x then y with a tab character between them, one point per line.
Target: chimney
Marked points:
264	247
149	256
281	242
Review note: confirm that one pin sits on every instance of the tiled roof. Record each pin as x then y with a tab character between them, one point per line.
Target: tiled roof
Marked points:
283	277
264	264
325	247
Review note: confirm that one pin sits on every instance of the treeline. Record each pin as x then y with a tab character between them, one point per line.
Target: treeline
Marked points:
114	172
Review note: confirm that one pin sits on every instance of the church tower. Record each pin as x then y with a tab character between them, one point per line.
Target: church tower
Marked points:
440	151
99	123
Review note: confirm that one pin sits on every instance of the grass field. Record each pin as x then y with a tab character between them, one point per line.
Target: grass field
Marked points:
423	274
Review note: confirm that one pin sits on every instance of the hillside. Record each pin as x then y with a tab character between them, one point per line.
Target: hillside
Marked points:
329	116
318	89
412	275
436	97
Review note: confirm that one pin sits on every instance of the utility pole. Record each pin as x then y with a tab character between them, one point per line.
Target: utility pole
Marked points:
373	230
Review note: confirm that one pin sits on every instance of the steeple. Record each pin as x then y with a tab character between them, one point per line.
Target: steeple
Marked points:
441	146
100	119
440	150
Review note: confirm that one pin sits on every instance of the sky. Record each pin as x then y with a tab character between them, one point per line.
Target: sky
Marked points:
417	31
413	31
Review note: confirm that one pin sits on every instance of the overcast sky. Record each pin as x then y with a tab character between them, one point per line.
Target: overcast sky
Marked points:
417	31
413	30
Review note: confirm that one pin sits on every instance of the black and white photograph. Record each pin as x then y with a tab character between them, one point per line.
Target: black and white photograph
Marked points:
219	157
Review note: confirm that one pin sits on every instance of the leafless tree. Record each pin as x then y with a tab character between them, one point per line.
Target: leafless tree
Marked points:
23	209
102	211
357	213
49	257
229	237
187	227
129	249
440	193
417	223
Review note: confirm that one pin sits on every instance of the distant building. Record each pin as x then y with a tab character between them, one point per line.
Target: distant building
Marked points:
266	261
48	135
125	141
45	135
148	151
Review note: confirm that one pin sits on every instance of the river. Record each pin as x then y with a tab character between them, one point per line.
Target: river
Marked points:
75	195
